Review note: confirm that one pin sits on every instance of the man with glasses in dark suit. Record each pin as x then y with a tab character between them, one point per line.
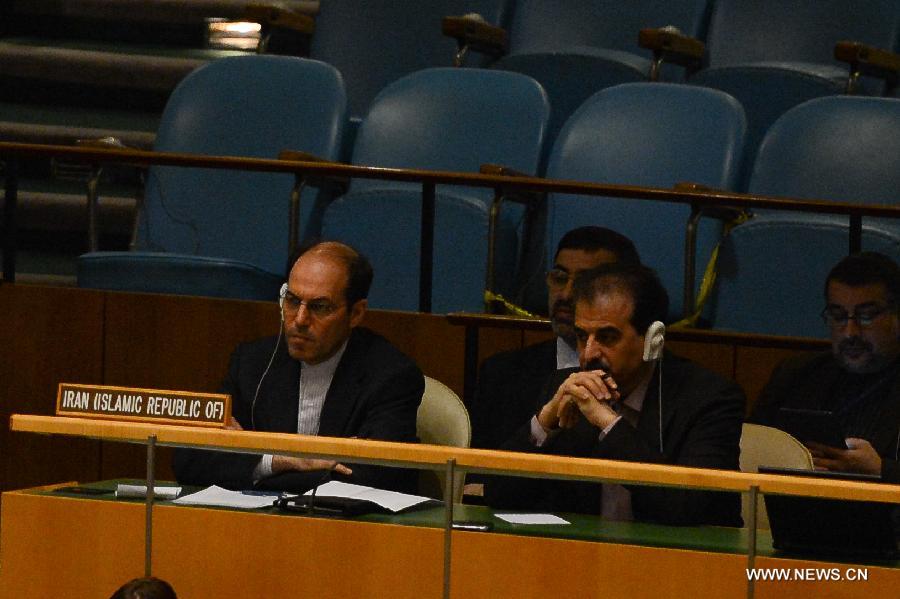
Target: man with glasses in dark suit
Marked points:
324	374
859	379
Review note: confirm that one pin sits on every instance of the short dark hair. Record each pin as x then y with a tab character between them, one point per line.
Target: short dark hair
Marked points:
359	269
651	302
591	239
145	588
868	268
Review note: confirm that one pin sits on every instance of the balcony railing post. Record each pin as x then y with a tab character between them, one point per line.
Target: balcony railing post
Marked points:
426	248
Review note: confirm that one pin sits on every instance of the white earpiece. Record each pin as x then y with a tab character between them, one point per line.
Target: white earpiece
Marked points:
654	340
281	294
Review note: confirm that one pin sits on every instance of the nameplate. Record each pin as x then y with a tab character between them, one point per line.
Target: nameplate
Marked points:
143	405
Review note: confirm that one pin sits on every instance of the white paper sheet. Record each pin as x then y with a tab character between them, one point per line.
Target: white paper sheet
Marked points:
390	500
217	496
532	519
141	491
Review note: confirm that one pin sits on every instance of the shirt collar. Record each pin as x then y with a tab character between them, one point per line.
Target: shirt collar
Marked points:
566	356
326	368
635	399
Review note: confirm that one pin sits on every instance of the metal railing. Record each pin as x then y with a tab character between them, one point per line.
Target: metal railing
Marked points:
699	200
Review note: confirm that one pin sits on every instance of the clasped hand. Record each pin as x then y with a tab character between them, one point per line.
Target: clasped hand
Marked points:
586	393
282	463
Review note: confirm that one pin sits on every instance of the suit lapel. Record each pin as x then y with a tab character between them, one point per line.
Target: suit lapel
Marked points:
344	391
279	400
648	424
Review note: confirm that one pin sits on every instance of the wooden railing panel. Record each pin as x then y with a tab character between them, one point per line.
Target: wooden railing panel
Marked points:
45	337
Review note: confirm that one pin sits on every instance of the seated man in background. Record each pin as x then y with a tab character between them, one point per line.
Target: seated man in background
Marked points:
627	402
509	382
323	374
858	379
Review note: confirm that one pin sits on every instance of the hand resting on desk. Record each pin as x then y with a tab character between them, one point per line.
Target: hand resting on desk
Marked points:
282	463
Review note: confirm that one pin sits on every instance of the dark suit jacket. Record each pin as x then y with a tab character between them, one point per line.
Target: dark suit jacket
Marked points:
375	394
701	420
509	386
807	382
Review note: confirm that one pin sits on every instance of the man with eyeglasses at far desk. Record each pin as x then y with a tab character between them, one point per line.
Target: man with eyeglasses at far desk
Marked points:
323	374
859	379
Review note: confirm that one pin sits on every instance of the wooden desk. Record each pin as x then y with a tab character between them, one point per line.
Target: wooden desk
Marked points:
54	545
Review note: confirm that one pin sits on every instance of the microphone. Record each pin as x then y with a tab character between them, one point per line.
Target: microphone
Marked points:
310	506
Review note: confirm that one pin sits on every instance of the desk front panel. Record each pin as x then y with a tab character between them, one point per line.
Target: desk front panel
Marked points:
56	545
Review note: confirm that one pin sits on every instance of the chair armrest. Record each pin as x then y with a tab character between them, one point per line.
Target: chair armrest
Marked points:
472	32
529	198
867	60
90	174
668	44
272	16
723	213
109	142
499	169
338	184
74	170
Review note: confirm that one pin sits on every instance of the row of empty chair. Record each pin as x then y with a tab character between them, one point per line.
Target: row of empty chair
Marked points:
104	67
596	32
770	55
838	148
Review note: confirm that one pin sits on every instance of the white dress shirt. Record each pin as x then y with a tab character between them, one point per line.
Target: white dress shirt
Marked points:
315	380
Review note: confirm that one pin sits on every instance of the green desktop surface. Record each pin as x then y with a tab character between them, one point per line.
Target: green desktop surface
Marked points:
582	527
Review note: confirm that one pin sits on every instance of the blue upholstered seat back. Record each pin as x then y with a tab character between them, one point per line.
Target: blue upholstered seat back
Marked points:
839	148
216	221
375	42
556	25
576	48
772	55
440	119
800	31
253	107
651	135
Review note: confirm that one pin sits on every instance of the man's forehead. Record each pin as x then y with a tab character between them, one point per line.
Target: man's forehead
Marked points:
318	273
849	296
608	309
573	260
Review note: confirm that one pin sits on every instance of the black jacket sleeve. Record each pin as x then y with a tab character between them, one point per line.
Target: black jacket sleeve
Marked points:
230	470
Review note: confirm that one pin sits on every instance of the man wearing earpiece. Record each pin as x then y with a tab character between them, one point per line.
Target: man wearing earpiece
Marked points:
323	374
859	379
509	383
629	401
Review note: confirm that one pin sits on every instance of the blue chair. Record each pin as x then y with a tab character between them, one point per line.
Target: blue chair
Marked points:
375	42
440	119
772	55
773	267
653	135
576	48
225	233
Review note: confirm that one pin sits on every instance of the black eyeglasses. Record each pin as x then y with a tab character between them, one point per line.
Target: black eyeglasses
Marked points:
317	308
835	316
558	278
